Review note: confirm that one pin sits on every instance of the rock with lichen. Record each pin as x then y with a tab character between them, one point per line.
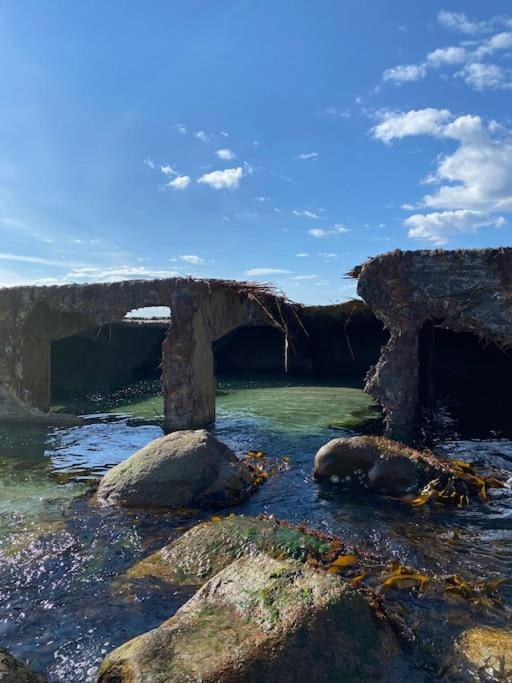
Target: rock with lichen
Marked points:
14	671
180	469
486	652
211	546
262	619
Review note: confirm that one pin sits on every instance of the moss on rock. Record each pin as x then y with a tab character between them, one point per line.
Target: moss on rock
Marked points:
211	546
261	619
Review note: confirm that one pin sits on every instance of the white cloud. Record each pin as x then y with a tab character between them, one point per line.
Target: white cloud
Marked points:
201	135
248	168
305	157
225	154
470	54
168	170
149	163
458	21
255	272
320	233
473	183
447	56
306	214
117	274
304	277
486	76
478	175
38	260
228	179
438	227
224	134
396	125
181	182
405	73
302	254
192	258
179	128
262	200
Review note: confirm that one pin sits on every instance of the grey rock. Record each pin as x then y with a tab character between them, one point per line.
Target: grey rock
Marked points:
13	671
180	469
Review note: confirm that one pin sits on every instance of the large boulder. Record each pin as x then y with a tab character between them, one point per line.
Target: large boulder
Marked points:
385	465
13	671
262	619
209	547
180	469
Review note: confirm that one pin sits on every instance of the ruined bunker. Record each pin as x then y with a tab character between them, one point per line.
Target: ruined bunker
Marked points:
447	313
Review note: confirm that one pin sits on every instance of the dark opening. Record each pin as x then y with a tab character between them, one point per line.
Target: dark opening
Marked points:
103	360
466	380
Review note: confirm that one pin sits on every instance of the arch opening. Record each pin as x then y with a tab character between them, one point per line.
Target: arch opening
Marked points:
119	362
464	382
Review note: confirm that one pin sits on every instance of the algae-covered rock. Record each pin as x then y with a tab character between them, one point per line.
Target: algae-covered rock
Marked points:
391	467
13	671
261	619
182	468
211	546
487	651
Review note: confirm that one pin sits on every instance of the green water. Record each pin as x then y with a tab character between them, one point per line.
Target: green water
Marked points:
60	554
286	404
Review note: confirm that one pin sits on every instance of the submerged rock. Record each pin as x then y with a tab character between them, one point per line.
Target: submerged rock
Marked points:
488	651
182	468
209	547
261	619
13	671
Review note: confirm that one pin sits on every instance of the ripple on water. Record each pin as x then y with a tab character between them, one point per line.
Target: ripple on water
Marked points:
60	556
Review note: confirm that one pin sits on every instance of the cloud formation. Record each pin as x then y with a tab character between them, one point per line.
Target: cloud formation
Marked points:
309	156
320	233
467	60
181	182
194	259
228	179
225	154
256	272
473	183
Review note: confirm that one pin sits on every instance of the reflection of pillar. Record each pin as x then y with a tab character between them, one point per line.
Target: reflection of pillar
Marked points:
394	383
187	371
35	390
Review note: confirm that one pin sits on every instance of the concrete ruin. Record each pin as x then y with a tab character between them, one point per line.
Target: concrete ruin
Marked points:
463	291
202	311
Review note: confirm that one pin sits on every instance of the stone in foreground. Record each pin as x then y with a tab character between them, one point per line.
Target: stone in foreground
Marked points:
487	651
261	619
209	547
180	469
13	671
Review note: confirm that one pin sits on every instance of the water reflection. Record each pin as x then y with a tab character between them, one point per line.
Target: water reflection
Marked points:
60	555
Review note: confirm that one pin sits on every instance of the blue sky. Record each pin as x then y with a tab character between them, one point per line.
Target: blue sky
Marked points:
278	141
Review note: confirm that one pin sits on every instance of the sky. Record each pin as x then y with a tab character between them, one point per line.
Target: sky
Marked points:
282	142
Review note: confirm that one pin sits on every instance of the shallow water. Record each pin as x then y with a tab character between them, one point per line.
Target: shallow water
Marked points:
60	555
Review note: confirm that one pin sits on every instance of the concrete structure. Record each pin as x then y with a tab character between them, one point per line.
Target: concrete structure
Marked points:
202	311
462	291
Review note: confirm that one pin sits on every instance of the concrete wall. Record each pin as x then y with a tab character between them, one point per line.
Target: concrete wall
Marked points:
202	311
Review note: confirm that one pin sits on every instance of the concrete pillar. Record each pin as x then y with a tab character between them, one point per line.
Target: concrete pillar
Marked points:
394	382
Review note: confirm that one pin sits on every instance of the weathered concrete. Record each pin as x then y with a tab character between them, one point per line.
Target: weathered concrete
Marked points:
202	311
464	290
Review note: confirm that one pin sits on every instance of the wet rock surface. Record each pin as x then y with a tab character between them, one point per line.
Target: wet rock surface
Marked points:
208	548
487	652
391	467
183	468
13	671
262	619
